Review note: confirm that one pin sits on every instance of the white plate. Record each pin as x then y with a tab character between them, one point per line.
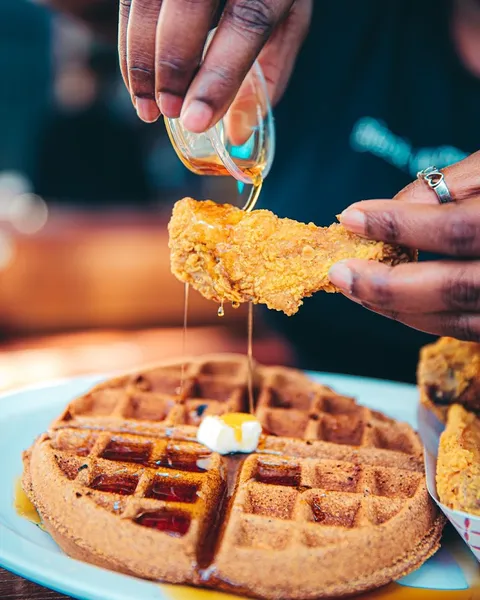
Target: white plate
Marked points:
31	553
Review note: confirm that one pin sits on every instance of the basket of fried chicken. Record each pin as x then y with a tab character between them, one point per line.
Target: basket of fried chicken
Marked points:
449	425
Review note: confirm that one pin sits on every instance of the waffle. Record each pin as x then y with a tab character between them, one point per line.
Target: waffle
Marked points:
333	502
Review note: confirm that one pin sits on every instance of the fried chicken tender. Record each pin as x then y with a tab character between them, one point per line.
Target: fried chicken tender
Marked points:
230	255
449	372
458	463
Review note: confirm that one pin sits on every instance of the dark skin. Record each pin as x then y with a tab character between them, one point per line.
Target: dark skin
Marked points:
440	297
160	45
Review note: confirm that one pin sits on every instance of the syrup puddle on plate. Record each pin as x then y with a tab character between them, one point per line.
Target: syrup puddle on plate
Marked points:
23	507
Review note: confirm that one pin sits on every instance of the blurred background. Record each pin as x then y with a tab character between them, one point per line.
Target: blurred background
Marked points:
86	191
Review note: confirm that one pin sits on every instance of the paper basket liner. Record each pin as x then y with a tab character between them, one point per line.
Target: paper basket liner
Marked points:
467	525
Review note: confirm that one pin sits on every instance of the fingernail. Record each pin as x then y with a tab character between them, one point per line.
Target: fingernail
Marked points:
354	220
147	110
341	276
197	116
170	105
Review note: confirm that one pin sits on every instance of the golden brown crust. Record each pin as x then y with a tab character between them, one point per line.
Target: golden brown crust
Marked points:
449	372
336	504
458	463
230	255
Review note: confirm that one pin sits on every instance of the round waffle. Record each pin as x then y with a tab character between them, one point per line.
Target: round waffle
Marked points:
334	501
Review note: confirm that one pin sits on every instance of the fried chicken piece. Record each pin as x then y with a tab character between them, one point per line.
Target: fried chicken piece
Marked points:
230	255
449	372
458	463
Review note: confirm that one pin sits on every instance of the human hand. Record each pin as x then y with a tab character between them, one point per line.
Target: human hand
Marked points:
161	44
441	296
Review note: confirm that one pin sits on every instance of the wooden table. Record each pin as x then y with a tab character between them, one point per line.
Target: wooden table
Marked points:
16	588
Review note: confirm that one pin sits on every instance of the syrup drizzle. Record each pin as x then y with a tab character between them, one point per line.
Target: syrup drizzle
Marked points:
250	357
184	337
257	183
216	530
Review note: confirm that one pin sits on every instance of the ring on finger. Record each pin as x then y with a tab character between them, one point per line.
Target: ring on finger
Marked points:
435	180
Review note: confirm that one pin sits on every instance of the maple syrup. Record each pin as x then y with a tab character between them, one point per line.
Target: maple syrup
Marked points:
184	337
163	489
235	421
212	165
250	358
115	484
23	507
288	475
318	514
193	463
172	523
122	452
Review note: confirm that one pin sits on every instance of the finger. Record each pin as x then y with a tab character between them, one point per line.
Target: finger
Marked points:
451	229
462	179
462	326
124	12
411	288
142	24
181	35
245	27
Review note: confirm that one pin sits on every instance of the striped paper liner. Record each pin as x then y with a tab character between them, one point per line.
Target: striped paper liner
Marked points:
467	525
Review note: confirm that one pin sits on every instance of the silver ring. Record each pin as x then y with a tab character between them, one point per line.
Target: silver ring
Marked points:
436	182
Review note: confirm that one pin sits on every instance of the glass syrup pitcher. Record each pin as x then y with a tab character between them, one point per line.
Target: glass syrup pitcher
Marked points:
241	144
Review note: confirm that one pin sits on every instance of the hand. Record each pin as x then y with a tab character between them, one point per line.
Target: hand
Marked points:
440	297
161	44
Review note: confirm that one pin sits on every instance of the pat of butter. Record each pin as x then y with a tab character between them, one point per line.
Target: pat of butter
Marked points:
233	432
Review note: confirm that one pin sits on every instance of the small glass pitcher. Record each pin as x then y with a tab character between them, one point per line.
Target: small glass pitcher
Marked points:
241	144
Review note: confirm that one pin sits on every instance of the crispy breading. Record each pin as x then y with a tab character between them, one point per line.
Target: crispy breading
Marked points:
458	464
231	255
449	372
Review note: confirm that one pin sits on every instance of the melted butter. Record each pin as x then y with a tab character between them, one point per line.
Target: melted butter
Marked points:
235	421
23	506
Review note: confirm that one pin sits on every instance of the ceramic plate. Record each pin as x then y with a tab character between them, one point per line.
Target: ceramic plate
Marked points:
28	551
